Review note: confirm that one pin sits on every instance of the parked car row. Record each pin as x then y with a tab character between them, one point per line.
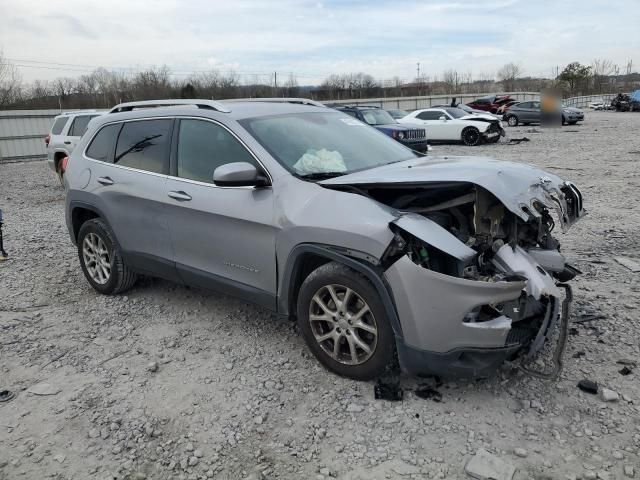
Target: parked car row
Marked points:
448	264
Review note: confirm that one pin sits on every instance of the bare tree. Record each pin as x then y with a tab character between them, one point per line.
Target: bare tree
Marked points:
291	86
10	82
508	75
601	69
451	79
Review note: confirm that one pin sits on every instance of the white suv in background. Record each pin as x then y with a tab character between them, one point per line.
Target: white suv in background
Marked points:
67	129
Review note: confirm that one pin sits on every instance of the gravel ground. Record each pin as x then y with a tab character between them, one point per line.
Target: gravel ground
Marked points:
173	382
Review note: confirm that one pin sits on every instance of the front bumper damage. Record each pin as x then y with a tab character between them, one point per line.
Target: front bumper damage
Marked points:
439	333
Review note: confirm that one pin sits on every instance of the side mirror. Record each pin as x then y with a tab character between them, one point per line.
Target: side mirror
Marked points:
238	174
443	118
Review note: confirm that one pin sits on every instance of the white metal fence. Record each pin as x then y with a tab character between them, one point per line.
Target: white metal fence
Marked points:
583	102
22	134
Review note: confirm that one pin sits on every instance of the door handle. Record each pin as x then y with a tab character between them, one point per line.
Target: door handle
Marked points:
181	196
67	143
105	180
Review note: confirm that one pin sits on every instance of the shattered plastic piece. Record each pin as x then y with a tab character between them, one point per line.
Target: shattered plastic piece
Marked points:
6	395
607	395
628	362
44	389
516	141
428	393
485	466
625	371
579	354
588	386
632	265
388	390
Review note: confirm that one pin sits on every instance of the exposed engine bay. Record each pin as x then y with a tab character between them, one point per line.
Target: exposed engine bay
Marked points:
470	234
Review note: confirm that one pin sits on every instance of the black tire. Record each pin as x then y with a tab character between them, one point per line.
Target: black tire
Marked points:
121	278
572	123
512	121
471	136
564	121
334	274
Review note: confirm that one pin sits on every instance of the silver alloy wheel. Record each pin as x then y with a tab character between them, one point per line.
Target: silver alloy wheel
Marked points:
343	324
512	121
96	258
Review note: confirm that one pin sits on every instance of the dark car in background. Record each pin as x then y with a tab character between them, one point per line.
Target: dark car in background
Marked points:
530	112
412	137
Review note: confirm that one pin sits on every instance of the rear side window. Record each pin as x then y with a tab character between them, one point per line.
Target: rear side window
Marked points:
145	145
59	125
431	115
79	125
204	146
101	147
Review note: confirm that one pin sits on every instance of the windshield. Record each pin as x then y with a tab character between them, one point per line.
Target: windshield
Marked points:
398	113
465	108
377	117
324	143
456	112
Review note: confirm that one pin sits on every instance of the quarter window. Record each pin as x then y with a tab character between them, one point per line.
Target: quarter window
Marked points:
79	125
144	145
59	125
101	147
204	146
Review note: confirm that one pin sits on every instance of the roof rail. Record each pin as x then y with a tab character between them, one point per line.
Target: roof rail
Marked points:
204	104
72	112
352	105
301	101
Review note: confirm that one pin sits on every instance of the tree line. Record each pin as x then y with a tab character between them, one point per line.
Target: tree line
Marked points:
103	88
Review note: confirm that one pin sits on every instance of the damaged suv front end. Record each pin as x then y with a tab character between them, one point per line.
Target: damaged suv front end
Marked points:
473	268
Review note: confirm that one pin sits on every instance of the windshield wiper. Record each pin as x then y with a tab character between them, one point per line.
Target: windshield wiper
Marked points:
321	175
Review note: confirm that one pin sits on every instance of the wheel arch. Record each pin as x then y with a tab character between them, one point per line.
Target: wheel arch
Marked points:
81	213
305	258
58	156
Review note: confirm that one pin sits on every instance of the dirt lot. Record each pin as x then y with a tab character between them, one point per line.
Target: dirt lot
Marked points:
237	395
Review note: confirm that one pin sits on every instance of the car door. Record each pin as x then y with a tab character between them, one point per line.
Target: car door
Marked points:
436	128
536	114
128	171
525	112
223	237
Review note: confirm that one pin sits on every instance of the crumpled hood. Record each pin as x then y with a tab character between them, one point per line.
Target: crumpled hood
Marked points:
516	185
481	117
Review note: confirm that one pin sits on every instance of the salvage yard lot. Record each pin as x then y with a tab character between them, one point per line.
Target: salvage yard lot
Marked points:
173	382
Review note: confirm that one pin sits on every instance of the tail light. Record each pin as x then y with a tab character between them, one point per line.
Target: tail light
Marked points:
47	139
63	164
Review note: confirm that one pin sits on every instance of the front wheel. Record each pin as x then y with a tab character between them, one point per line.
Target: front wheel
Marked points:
344	322
100	259
471	136
512	121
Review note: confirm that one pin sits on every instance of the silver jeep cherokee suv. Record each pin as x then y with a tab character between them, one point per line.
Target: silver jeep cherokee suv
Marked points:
449	263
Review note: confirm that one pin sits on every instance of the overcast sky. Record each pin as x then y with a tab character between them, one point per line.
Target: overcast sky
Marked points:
313	39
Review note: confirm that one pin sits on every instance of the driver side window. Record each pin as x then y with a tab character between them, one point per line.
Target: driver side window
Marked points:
204	146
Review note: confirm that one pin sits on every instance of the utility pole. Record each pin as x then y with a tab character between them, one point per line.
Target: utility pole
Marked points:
275	80
418	71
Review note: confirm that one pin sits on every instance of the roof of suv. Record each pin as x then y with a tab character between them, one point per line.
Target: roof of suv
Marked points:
238	111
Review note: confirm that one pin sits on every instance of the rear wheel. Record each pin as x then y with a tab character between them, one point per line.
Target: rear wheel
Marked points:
471	136
344	323
512	121
100	259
